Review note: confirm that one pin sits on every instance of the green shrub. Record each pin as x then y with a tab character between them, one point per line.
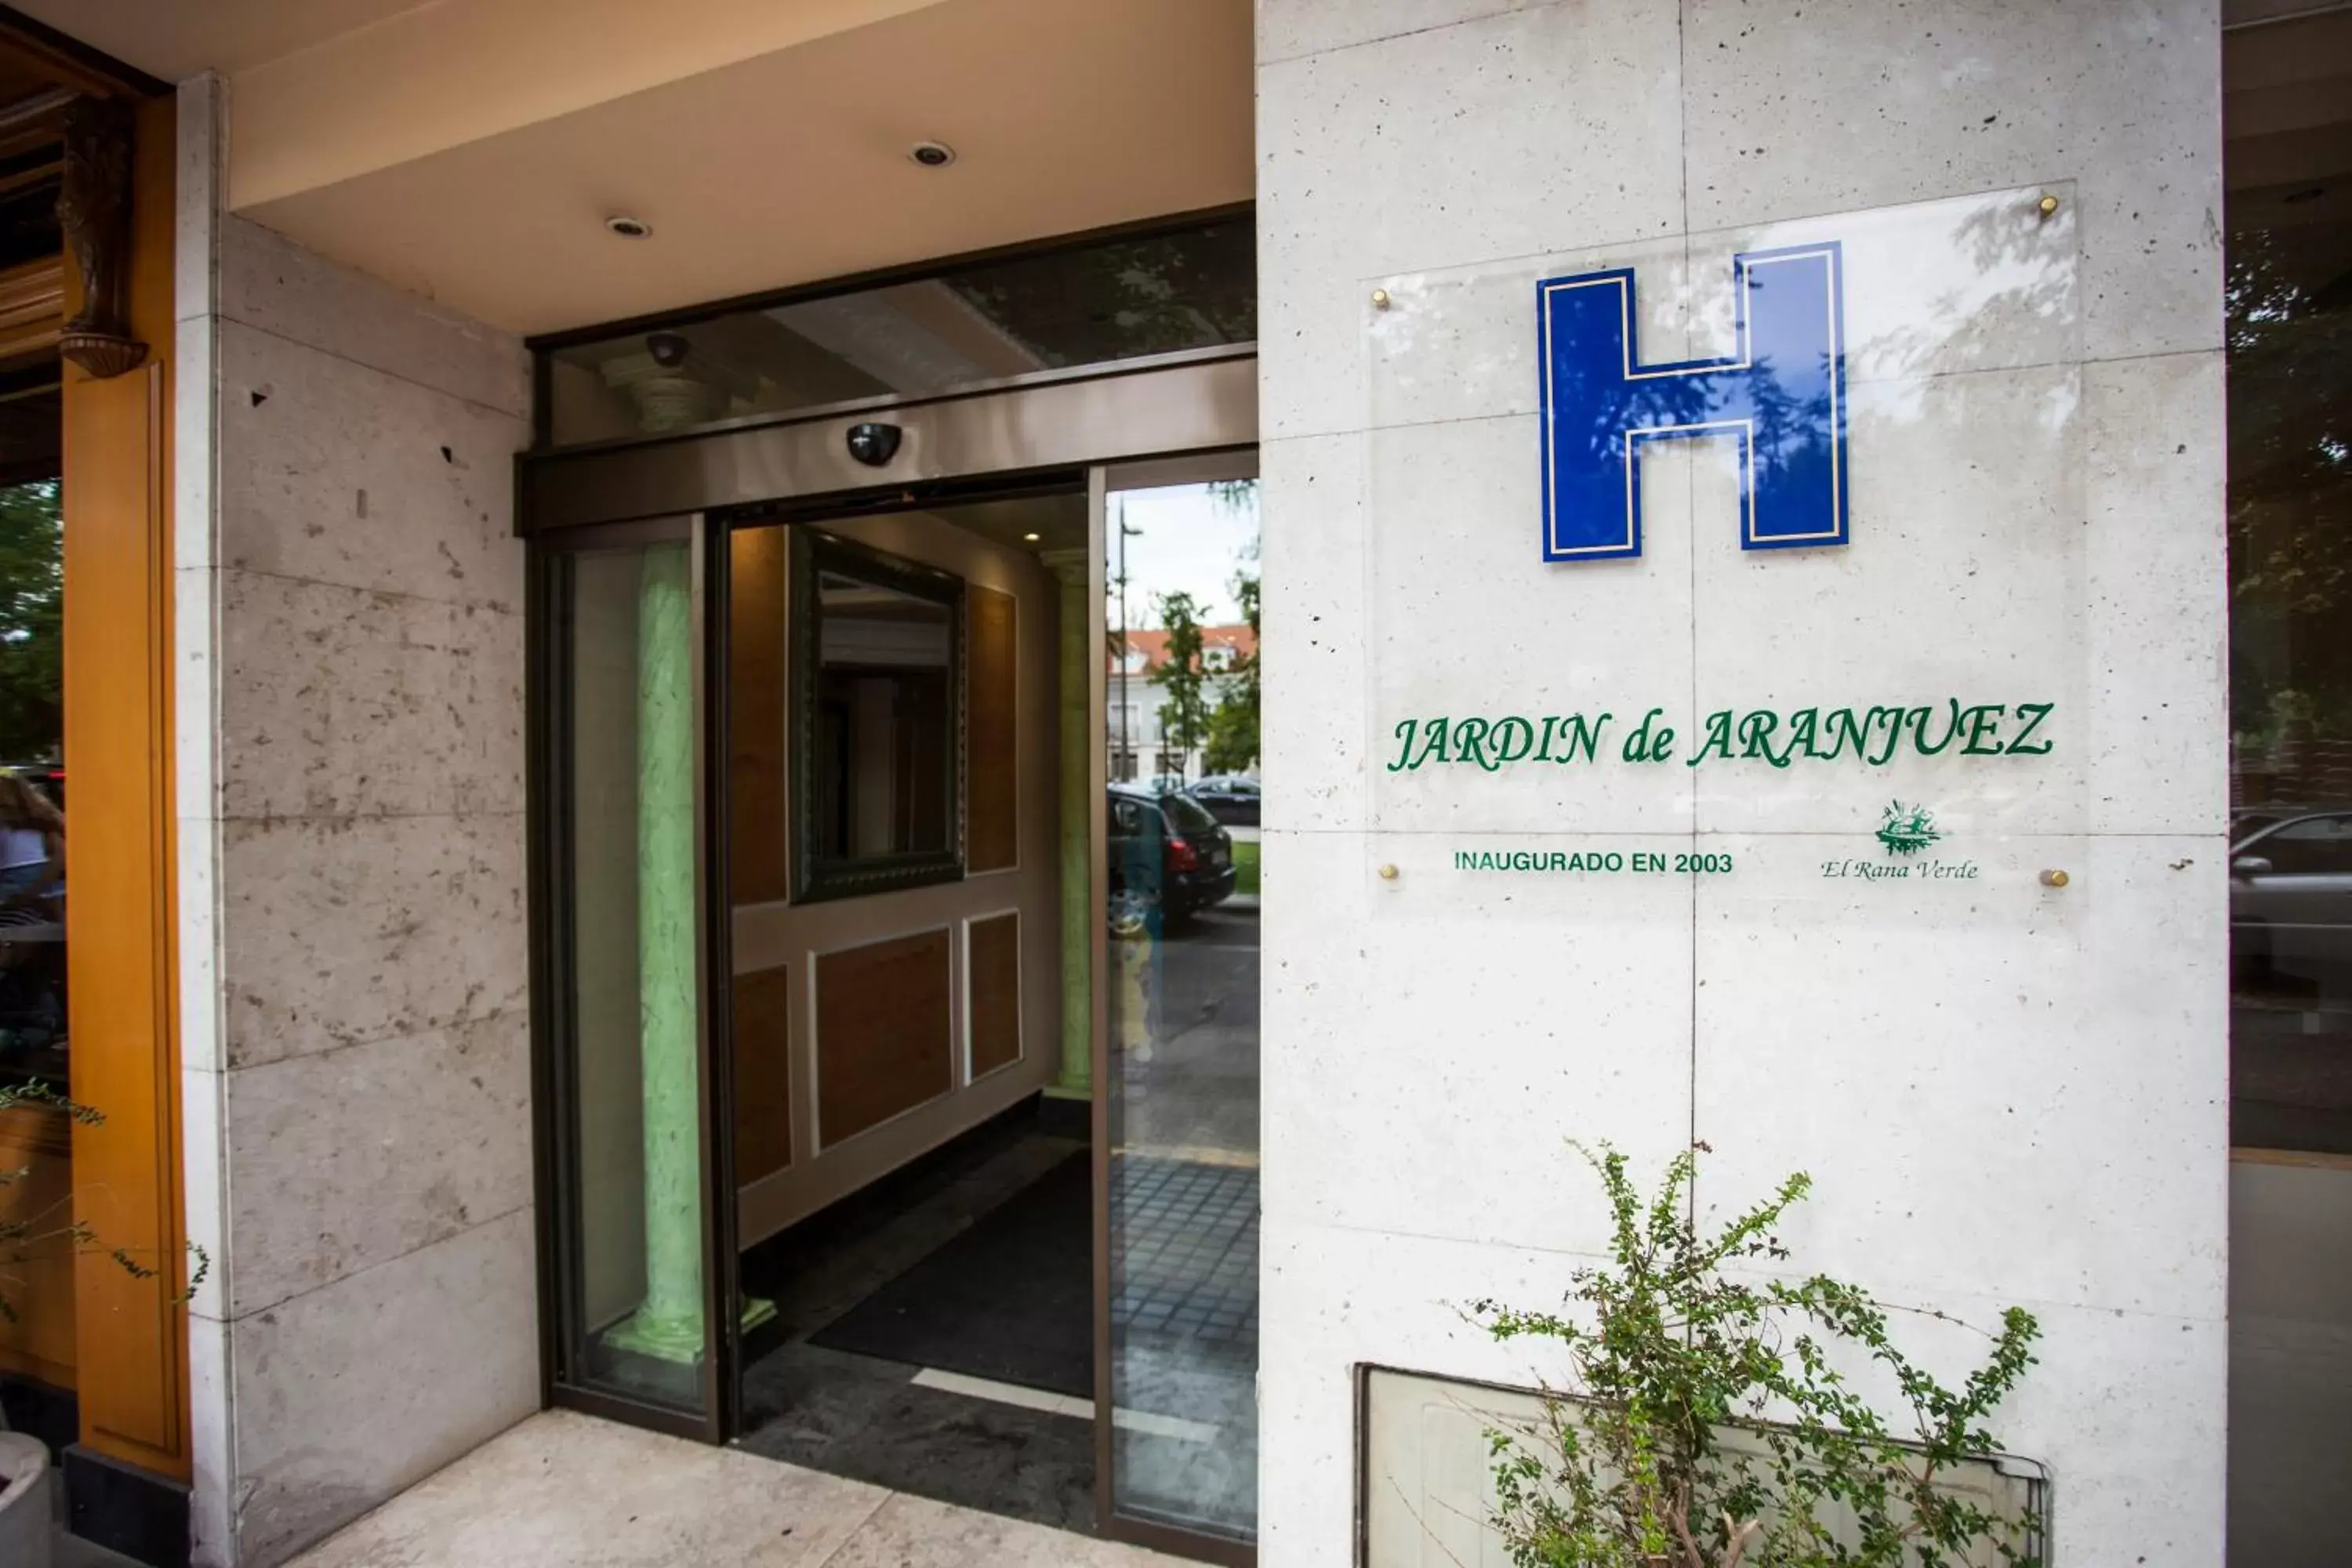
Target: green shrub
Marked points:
1709	1424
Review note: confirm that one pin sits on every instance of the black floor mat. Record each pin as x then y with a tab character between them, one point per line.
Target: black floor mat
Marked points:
1011	1298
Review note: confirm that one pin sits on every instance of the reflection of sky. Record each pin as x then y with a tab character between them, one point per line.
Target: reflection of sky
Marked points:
1189	541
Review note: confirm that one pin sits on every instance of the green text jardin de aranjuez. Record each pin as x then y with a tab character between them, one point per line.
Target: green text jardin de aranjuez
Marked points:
1871	736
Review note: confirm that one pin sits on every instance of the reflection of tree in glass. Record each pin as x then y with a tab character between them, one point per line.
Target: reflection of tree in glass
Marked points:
1156	294
2289	309
1233	746
2001	239
1789	429
1615	405
1184	717
1234	727
32	606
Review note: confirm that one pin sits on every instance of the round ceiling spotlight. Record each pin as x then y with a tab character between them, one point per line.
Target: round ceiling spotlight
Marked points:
931	154
1030	537
628	228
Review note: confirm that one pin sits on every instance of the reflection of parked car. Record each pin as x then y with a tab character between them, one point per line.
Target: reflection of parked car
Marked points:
1166	849
1229	797
2290	903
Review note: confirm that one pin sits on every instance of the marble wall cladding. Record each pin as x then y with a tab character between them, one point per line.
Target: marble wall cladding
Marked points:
2007	1091
360	592
272	284
350	1393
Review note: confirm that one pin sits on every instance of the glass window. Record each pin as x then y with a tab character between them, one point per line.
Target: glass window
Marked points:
1181	1052
32	785
988	321
633	1313
877	647
2289	400
2287	179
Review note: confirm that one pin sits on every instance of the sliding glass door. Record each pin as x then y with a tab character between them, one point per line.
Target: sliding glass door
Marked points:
1176	997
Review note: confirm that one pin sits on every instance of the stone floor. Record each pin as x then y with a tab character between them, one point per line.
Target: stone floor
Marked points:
564	1490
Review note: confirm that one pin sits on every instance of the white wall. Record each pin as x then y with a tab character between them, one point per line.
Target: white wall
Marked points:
352	958
2011	1095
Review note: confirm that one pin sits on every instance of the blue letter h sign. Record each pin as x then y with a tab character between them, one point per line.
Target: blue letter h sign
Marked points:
1781	393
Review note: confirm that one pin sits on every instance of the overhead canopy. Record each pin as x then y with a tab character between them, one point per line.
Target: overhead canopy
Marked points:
471	150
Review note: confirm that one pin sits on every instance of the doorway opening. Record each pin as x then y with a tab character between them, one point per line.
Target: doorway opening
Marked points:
975	1219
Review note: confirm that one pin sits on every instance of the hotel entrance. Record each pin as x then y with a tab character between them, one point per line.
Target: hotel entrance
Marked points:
897	881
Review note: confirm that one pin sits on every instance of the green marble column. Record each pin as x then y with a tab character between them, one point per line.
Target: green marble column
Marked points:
1074	1079
668	1324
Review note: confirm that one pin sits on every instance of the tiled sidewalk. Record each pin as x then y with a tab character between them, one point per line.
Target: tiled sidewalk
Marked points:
563	1490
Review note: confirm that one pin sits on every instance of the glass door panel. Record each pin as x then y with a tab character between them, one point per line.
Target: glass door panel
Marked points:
1179	1053
627	1026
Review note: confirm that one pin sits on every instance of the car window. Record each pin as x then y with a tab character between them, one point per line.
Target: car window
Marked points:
1188	816
2315	846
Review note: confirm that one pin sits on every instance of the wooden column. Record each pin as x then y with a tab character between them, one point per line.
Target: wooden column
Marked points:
131	1333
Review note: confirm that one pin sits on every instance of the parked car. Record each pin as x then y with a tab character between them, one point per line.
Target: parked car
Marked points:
1232	798
2291	904
1167	851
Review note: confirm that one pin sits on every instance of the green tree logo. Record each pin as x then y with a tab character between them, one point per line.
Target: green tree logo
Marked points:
1906	830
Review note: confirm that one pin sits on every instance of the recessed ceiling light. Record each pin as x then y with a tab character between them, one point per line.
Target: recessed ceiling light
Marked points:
628	228
1030	537
931	154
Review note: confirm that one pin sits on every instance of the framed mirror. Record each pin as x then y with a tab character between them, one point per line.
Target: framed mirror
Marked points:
878	697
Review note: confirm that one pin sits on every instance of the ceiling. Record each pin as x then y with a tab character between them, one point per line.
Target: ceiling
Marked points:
469	151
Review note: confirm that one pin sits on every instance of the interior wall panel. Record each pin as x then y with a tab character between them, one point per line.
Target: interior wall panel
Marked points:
884	1034
992	970
761	1022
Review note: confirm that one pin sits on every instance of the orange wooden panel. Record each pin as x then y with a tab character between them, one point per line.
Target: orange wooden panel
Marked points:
882	1041
131	1333
756	677
763	1076
992	835
994	961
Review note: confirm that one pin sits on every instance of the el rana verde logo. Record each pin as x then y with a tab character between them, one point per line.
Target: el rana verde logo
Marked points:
1906	835
1906	830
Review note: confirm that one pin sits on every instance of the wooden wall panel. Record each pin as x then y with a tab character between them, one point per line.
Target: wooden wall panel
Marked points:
992	834
763	1073
756	683
883	1041
993	961
131	1334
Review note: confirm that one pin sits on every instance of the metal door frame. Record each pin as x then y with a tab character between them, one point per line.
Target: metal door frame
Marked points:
1189	416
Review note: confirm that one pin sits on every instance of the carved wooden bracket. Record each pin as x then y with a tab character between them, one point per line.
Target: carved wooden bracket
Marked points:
94	209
